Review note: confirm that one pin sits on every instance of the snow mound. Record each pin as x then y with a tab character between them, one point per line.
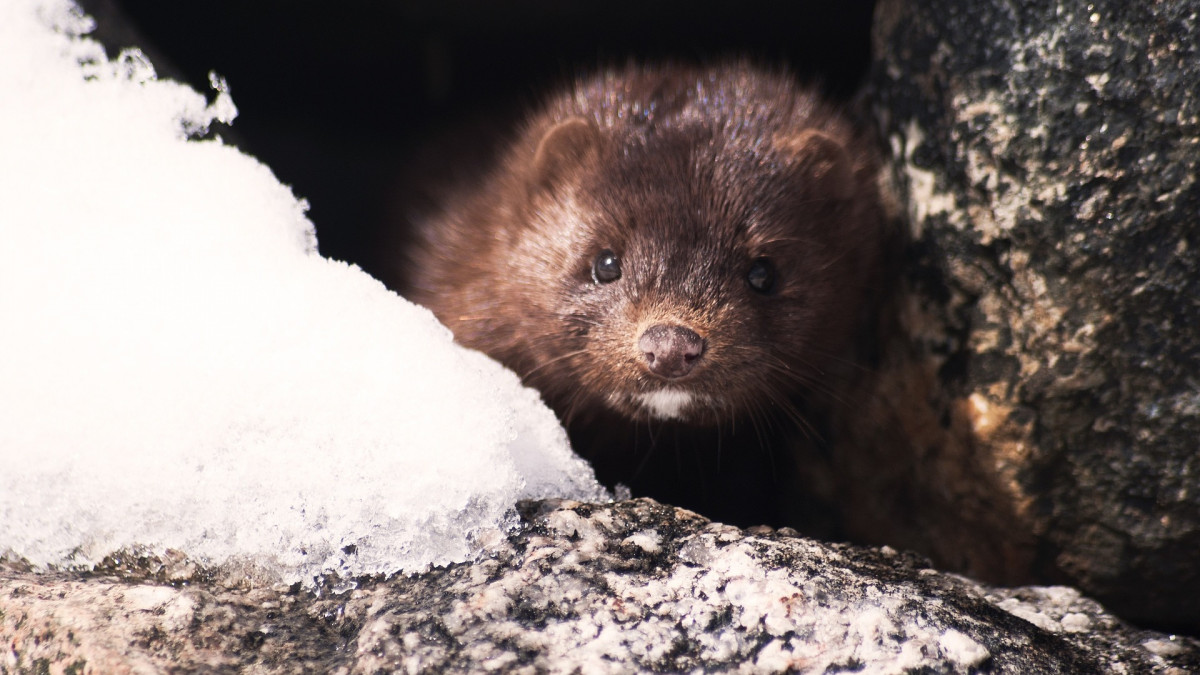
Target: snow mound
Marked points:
180	369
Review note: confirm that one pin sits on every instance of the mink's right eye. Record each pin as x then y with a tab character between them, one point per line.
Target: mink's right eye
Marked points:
761	276
606	268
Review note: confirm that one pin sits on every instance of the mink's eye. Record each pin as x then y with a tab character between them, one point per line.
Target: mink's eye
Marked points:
606	268
761	276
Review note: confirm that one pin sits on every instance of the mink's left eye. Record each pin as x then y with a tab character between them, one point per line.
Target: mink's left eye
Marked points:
606	268
761	276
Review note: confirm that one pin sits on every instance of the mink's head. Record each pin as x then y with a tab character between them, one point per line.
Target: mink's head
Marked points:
677	247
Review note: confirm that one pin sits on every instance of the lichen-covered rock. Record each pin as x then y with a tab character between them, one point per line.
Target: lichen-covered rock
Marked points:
1047	157
628	587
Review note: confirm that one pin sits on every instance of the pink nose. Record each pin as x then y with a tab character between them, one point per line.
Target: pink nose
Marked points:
670	351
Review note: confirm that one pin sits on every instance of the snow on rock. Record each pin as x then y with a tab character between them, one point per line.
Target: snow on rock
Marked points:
180	369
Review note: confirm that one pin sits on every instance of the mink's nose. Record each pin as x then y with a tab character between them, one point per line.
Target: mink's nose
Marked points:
670	351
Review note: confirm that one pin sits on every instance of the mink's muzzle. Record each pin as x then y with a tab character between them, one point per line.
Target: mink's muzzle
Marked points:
671	351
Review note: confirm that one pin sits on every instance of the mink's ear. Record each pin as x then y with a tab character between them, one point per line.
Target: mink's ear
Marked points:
821	161
565	146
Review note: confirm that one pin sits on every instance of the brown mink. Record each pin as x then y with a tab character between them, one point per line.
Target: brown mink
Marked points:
678	258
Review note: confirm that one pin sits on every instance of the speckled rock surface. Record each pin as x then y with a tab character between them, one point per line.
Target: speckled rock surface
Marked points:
1047	157
629	587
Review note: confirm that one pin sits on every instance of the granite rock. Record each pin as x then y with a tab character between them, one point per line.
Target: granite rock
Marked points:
628	587
1046	377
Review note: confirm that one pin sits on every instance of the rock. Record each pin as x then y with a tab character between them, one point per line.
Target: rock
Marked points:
1037	418
632	586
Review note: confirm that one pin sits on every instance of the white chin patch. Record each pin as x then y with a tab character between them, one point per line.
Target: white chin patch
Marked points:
667	404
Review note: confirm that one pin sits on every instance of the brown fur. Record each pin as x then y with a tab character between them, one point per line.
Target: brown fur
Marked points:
689	176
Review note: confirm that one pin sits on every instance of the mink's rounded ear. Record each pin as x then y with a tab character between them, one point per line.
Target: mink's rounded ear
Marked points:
568	144
821	161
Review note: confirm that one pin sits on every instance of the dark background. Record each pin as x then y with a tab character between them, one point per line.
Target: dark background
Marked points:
337	97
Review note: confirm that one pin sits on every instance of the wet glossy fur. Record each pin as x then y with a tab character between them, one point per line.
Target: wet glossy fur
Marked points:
689	176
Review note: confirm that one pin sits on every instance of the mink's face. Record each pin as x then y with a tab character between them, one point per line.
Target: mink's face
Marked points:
700	282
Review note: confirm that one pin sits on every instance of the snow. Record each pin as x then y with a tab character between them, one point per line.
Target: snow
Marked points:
179	368
959	648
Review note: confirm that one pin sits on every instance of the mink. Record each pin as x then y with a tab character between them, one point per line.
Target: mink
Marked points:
679	258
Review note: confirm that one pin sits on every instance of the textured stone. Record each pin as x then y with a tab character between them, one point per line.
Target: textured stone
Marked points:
629	587
1046	158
